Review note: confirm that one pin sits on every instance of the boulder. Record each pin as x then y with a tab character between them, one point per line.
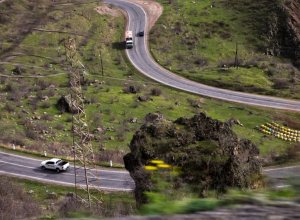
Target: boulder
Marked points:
143	98
64	104
133	120
153	117
209	154
52	195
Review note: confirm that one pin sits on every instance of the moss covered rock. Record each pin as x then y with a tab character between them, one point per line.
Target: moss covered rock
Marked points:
209	154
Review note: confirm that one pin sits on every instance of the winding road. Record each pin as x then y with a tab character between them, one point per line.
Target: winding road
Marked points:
108	179
29	168
142	60
140	57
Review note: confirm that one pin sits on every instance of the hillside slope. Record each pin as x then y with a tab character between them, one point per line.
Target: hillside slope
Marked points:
292	9
239	45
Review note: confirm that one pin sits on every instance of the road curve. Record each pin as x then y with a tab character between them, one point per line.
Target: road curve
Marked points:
28	168
144	62
109	180
282	176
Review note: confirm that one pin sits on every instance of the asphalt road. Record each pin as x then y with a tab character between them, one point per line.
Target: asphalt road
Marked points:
110	180
140	57
28	168
282	176
143	61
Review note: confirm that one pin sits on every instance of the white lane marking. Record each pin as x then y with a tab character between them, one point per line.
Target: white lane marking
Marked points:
281	168
111	171
59	182
69	174
282	186
29	158
2	161
14	155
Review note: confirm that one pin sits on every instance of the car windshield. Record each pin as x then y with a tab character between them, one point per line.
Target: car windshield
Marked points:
61	162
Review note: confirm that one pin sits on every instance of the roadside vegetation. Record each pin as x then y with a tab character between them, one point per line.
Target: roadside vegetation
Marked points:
29	199
163	200
34	77
226	44
160	204
20	199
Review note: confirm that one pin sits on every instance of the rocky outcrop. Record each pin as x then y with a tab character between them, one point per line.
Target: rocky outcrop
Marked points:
284	31
292	9
208	152
64	104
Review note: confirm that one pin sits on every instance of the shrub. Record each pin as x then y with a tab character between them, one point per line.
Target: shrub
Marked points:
131	89
47	117
33	103
15	95
198	205
18	70
10	87
271	71
45	105
199	61
60	127
292	152
226	63
50	92
196	103
135	104
15	203
9	107
155	91
94	99
41	127
69	119
280	84
225	34
31	134
96	120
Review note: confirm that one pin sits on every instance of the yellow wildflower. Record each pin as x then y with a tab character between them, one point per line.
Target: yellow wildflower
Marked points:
165	166
157	161
151	168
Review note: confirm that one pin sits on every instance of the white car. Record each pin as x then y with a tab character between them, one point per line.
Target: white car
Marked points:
55	164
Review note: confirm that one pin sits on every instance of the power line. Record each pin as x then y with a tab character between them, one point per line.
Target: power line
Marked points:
82	147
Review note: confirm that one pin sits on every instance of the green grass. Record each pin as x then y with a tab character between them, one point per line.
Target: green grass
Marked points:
162	203
22	99
204	39
113	203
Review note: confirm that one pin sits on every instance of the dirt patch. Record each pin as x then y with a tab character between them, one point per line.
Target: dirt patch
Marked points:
153	10
107	10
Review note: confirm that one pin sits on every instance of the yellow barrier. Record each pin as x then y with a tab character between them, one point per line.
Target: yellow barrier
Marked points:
279	131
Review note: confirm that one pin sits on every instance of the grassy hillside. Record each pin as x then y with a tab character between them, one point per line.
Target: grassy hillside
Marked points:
34	76
206	35
44	201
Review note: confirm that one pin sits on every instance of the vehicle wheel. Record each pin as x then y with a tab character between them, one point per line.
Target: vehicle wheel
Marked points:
57	170
43	167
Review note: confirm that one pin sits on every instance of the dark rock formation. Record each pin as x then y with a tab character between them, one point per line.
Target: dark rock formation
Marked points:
64	104
284	31
131	89
209	153
143	98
